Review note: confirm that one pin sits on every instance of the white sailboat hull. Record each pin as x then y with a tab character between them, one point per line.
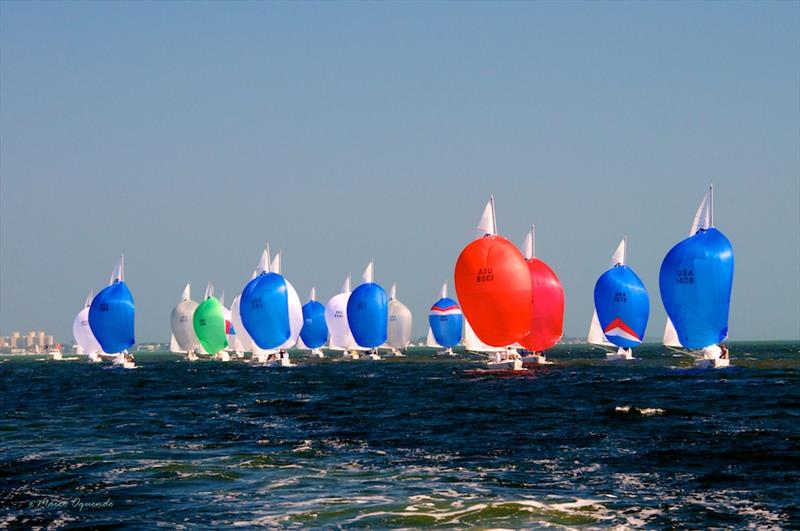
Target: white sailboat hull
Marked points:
510	365
620	355
535	359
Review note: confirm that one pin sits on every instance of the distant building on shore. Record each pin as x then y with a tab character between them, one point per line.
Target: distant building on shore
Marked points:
28	342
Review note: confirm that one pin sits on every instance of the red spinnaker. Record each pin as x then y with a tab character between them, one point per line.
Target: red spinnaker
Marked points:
547	314
493	285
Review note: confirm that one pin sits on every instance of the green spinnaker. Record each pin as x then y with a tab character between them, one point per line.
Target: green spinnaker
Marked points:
209	325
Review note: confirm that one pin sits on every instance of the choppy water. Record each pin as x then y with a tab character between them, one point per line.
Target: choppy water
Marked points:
403	443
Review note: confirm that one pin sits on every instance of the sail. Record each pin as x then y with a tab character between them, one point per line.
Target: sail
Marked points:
82	332
368	312
275	265
547	308
596	335
473	344
671	335
622	306
618	258
247	343
209	324
398	332
181	322
111	315
696	280
264	307
336	318
493	285
430	341
487	225
703	219
231	333
173	345
314	333
446	322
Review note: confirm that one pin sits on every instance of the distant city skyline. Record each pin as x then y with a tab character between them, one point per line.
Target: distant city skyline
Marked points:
186	135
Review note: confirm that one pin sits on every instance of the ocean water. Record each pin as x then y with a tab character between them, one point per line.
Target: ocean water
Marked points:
404	443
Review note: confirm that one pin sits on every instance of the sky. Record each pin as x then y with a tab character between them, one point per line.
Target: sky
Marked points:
188	134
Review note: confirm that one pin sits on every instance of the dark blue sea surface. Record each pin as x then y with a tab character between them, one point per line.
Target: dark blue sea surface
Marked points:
407	442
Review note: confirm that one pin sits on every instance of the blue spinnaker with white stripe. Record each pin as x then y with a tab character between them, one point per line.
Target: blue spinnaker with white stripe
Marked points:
447	322
623	306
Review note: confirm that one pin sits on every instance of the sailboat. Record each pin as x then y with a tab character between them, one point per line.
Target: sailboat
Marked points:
111	319
314	333
547	307
340	335
368	313
84	337
493	284
183	339
209	325
696	280
398	329
622	308
272	314
446	322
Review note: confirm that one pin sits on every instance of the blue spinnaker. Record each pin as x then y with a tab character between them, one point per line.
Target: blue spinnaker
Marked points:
696	279
111	318
315	331
623	306
368	315
264	308
447	322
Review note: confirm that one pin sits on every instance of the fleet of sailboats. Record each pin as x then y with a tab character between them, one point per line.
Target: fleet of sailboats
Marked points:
508	301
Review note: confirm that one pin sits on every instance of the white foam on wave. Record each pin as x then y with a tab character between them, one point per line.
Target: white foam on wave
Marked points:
640	410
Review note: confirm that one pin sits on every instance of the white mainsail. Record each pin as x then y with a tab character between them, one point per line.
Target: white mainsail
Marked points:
529	245
488	222
473	344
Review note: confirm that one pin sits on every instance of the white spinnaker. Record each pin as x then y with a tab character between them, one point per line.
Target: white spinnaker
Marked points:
82	332
703	219
399	327
182	324
473	344
336	319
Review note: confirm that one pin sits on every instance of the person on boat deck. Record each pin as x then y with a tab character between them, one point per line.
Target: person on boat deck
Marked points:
724	354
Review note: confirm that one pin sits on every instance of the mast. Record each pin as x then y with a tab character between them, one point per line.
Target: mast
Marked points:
711	207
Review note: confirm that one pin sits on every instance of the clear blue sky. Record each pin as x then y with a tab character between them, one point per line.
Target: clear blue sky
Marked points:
187	134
